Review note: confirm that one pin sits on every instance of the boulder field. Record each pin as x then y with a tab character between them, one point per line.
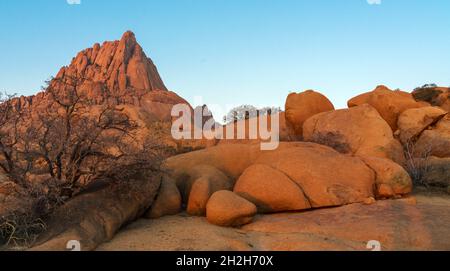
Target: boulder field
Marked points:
356	155
297	176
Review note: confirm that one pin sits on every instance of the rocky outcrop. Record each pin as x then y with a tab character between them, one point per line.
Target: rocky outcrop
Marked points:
412	122
225	208
359	130
296	176
116	65
390	104
301	106
116	72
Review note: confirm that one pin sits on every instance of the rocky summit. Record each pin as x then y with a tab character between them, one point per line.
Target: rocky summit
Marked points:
117	65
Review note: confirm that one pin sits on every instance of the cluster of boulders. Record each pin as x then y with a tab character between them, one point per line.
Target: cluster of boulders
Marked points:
355	155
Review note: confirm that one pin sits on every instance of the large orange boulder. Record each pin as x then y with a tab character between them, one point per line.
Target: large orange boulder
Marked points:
226	208
391	179
435	141
390	104
301	106
412	122
325	176
270	190
359	130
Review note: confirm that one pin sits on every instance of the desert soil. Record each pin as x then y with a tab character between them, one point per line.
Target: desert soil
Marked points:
421	222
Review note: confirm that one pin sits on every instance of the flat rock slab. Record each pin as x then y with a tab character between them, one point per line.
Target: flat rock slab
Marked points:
396	224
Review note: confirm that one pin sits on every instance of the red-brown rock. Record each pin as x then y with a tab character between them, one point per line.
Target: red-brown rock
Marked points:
270	190
301	106
390	104
412	122
226	208
391	179
434	141
168	200
358	130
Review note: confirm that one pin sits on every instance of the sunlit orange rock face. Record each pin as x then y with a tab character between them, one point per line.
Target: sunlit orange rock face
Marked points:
119	64
390	104
359	130
116	71
301	106
296	176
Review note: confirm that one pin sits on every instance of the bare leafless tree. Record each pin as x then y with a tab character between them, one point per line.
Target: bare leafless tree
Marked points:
55	151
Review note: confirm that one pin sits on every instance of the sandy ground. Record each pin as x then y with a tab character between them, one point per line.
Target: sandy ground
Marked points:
421	222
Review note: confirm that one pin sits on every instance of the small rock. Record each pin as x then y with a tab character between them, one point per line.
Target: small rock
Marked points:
225	208
369	201
410	200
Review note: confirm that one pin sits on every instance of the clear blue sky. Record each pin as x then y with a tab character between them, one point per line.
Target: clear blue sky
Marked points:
238	51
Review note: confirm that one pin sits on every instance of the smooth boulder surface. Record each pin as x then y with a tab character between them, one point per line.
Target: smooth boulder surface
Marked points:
326	177
434	141
398	224
412	122
168	201
391	179
231	159
226	208
95	216
198	183
359	130
301	106
296	176
390	104
270	190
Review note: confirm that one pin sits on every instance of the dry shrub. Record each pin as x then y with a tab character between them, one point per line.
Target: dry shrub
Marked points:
335	141
417	166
